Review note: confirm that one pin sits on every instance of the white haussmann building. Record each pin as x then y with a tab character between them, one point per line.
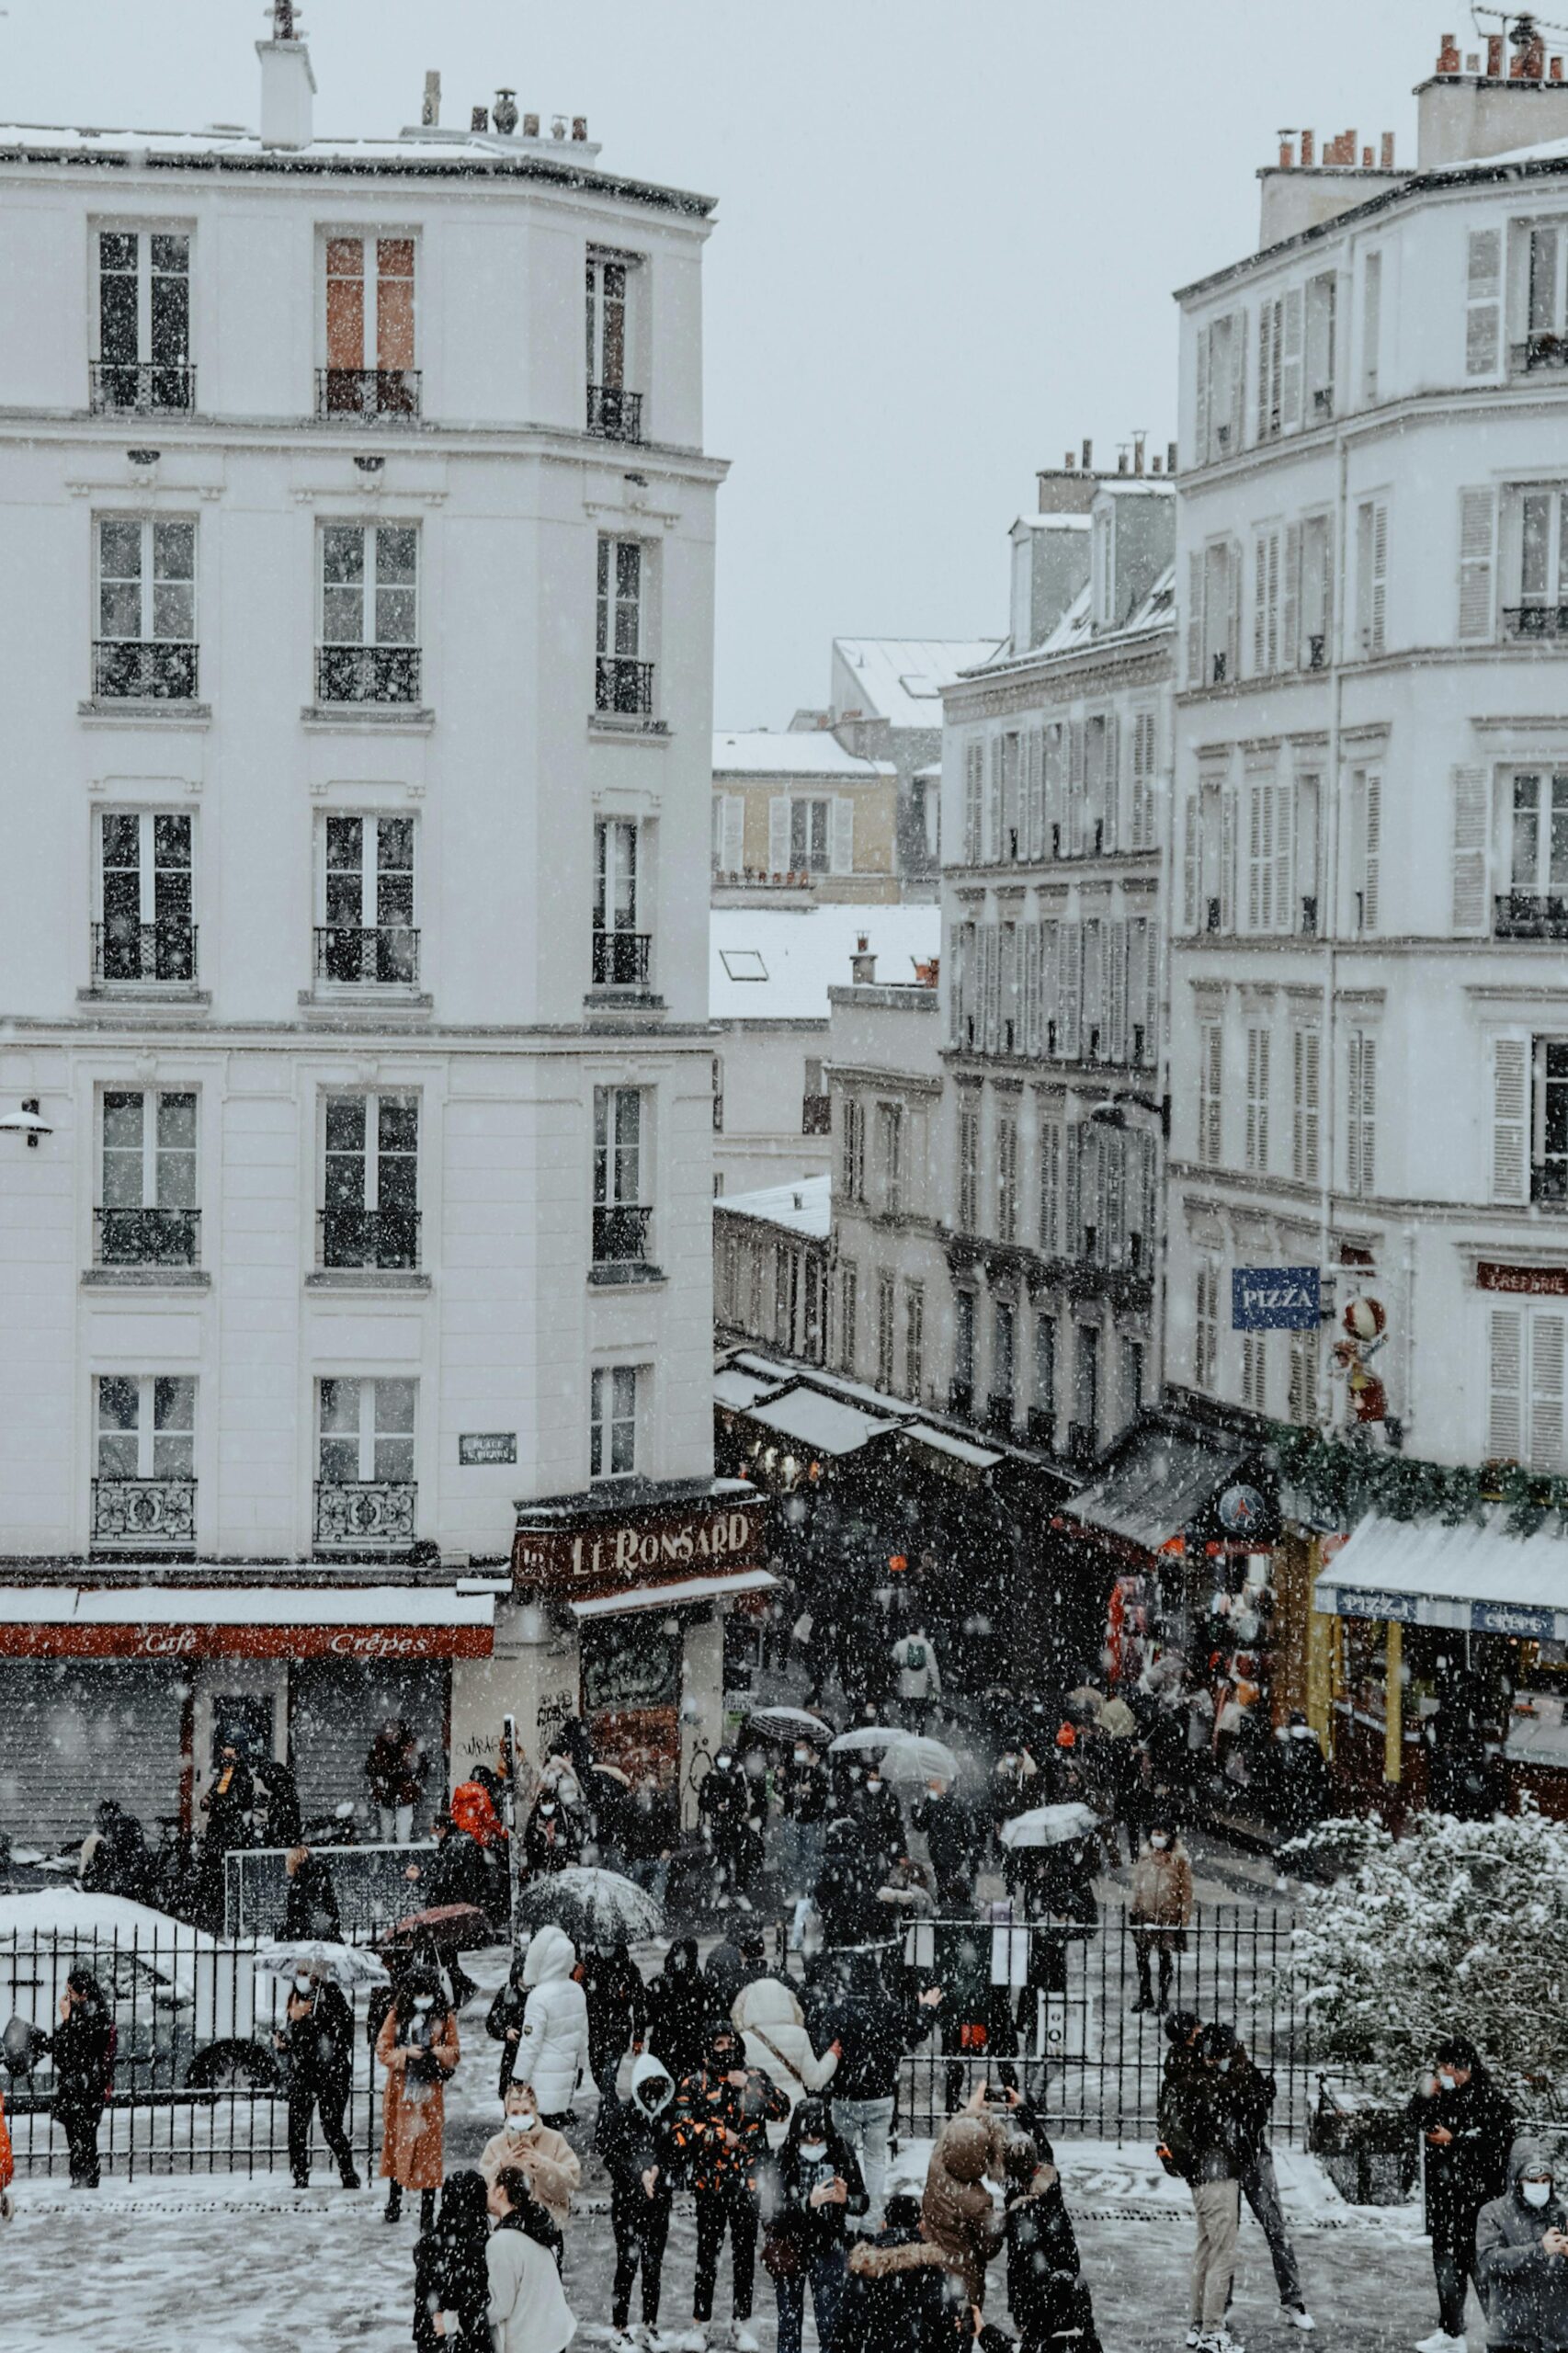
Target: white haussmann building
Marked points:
356	805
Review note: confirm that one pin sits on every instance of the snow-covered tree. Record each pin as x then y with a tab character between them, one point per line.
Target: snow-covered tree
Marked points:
1458	1927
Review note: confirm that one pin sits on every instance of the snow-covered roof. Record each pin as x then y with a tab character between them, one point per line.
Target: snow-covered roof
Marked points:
805	1207
665	1597
1481	1579
138	1604
778	963
824	1425
767	751
901	678
1076	632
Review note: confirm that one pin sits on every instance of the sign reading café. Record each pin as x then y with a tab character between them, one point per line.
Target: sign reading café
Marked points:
653	1546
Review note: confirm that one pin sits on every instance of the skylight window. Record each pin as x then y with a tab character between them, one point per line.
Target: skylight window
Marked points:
744	963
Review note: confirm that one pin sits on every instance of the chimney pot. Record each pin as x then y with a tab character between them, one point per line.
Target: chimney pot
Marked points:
1155	462
480	119
1366	159
861	941
505	112
1287	151
579	126
430	111
1472	61
1493	57
1121	461
1388	151
1138	453
1068	463
1448	55
1170	457
531	126
558	125
1308	149
1088	458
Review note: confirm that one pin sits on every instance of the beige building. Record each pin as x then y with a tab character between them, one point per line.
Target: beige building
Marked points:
798	816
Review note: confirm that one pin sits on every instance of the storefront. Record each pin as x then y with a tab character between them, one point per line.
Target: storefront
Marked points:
1444	1650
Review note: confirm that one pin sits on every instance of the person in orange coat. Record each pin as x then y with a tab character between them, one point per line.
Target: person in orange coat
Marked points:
418	2046
7	2166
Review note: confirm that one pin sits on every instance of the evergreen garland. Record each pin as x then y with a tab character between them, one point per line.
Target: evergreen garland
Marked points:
1340	1480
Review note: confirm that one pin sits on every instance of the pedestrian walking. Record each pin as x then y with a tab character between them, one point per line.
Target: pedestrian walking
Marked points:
845	1892
1047	2294
317	2037
310	1899
1468	2130
1299	1788
395	1773
772	2028
650	1834
418	2046
282	1823
118	1863
820	2187
451	2275
957	2212
1254	2095
552	1836
527	2310
618	2011
900	2293
83	2047
874	2027
919	1677
738	1957
457	1873
227	1804
503	2019
681	2010
1201	2136
545	2157
881	1817
552	2048
721	2113
1160	1910
805	1795
1521	2244
725	1802
944	1822
635	2136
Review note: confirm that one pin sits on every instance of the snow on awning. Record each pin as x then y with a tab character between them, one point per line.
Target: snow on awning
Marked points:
739	1390
1479	1579
962	1449
1157	1483
821	1424
665	1597
253	1622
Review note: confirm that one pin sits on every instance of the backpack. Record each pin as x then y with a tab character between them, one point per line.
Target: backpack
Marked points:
915	1657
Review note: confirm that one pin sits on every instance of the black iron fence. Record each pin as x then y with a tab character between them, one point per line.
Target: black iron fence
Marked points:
371	1885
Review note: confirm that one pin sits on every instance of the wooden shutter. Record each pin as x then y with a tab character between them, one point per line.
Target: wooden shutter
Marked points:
1484	303
1306	1048
1050	1187
994	846
1259	602
1071	991
1267	320
1510	1120
1234	610
1194	620
1072	830
1200	402
1030	1041
1371	324
778	834
1471	828
1372	849
1238	378
1191	862
1284	857
1049	987
1291	388
1360	1126
1112	796
1290	615
1271	635
1115	992
1504	1383
1547	1331
1212	1045
1257	1099
1378	606
733	833
1072	1190
841	834
990	986
1113	1198
1478	531
1255	795
1228	829
1093	1014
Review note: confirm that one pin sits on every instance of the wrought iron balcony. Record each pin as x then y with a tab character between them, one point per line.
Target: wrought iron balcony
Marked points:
1317	648
960	1397
621	959
816	1115
160	951
623	686
614	414
1042	1426
1532	915
1217	664
621	1235
123	1237
373	1513
151	669
375	394
368	674
152	1513
1540	351
141	388
351	1237
999	1416
1535	620
379	957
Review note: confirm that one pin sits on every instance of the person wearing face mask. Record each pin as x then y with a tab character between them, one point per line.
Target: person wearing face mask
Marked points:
1468	2129
418	2046
724	1809
551	1841
548	2159
618	2011
635	2138
682	2010
1203	2134
805	1793
1160	1910
650	1834
317	2037
1521	2250
820	2186
722	2114
553	2045
881	1816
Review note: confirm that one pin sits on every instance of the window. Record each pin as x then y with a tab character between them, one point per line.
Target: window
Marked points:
1217	613
973	800
1539	861
1269	905
370	1182
718	1095
1366	845
1361	1112
1266	601
1484	300
1526	1346
1302	1392
1257	1100
889	1155
1131	1380
1372	325
1221	367
816	1103
1006	1177
1539	519
1316	608
1321	296
614	412
620	949
1205	1323
623	682
963	1351
1210	1073
1371	576
969	1167
612	1422
1083	1433
847	1288
369	365
370	613
145	1456
620	1219
852	1150
1549	1154
728	832
1003	1368
1305	854
143	362
1042	1410
366	934
1306	1064
809	851
1051	1187
365	1486
815	1332
914	1341
1144	779
144	883
886	1311
149	1215
1254	1372
786	1285
145	648
1545	310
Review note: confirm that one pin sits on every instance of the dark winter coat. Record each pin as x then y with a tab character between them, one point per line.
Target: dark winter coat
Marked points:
804	1791
227	1806
881	1817
1464	2173
1202	2119
706	2105
551	1841
120	1863
1525	2289
445	2284
728	1970
504	2016
395	1769
634	2134
899	2297
282	1822
456	1873
309	1903
1253	2095
724	1806
846	1896
618	2008
320	2047
1045	2287
681	2010
816	2230
82	2049
948	1832
876	2029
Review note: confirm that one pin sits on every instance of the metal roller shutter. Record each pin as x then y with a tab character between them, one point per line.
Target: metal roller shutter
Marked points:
336	1708
76	1731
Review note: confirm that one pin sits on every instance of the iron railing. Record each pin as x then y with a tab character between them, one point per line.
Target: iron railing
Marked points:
1540	351
367	673
141	388
816	1115
151	1514
350	1237
144	669
621	958
128	1237
375	393
621	1235
1532	915
614	414
371	1885
1535	620
382	954
376	1512
160	951
623	686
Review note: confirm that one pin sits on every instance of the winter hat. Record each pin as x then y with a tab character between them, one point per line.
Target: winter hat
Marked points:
1020	2161
1066	1737
901	2212
811	2121
1181	2025
966	2149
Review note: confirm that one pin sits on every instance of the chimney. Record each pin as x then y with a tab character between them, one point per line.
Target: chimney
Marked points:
504	113
1520	100
1493	57
1138	441
579	126
1287	151
430	109
479	119
1068	462
1156	464
288	86
1448	56
1387	154
1308	149
531	126
1121	461
1088	456
862	965
1170	456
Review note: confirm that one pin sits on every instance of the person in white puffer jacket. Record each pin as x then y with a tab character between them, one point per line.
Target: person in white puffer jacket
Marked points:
773	2025
552	2048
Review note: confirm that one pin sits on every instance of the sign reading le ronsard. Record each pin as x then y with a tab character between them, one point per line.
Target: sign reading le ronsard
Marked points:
1274	1299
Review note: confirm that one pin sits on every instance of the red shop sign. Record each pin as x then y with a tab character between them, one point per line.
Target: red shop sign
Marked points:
175	1642
1525	1282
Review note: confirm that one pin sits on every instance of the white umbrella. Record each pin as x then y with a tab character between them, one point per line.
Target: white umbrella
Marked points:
784	1723
905	1755
1050	1825
593	1907
344	1965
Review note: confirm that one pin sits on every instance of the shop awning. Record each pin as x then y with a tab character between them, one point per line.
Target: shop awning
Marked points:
1477	1578
958	1449
739	1390
251	1621
821	1425
666	1596
1157	1483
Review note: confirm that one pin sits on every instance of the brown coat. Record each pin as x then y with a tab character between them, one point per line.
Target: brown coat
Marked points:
957	2213
1162	1889
413	2116
551	2163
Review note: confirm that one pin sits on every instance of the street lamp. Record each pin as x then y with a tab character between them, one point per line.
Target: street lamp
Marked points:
1114	1114
27	1122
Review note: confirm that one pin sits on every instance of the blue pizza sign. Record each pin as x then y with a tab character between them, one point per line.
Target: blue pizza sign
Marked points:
1274	1299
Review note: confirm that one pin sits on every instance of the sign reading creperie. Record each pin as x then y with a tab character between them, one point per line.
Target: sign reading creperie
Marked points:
646	1548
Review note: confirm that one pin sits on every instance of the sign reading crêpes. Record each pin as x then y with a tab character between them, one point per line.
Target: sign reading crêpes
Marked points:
650	1547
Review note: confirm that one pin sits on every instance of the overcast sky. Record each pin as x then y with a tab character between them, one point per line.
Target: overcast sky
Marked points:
947	234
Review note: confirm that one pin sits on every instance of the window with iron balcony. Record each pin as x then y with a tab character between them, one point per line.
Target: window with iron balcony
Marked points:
621	953
366	1494
145	647
369	939
623	681
369	614
370	372
622	1222
143	1494
369	1214
149	1216
144	324
144	933
614	410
